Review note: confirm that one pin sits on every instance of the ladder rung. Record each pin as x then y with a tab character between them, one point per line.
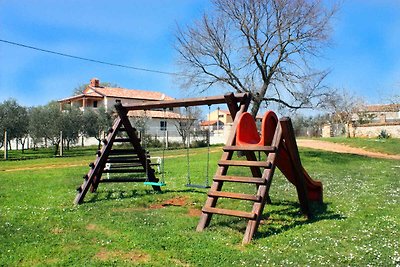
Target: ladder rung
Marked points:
122	140
236	213
122	160
124	171
239	179
122	180
245	163
123	151
234	195
250	148
132	165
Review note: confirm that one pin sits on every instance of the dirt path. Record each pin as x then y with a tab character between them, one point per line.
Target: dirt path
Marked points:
339	148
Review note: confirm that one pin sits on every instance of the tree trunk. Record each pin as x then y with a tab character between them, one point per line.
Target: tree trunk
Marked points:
56	145
99	145
256	106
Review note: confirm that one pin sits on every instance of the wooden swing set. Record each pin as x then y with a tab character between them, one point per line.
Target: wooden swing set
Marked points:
277	141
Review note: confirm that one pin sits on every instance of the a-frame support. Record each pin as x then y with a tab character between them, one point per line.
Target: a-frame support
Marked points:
282	153
133	160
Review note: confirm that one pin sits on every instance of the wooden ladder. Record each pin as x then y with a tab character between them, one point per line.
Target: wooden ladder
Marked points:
261	179
132	160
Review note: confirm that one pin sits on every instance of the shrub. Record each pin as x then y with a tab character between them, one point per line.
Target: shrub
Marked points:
383	135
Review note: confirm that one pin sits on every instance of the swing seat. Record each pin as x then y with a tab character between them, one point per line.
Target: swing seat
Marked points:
155	183
247	133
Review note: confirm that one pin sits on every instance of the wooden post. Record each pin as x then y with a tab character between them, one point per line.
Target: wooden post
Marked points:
166	139
61	144
218	120
5	145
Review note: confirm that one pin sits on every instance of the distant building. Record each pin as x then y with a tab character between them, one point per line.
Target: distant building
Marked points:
371	121
95	96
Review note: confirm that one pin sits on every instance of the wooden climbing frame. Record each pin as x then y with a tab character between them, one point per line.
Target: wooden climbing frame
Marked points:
136	159
281	153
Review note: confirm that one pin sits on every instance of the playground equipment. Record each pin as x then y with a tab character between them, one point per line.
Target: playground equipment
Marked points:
188	176
277	141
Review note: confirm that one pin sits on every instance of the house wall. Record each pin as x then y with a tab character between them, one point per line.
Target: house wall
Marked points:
219	115
373	130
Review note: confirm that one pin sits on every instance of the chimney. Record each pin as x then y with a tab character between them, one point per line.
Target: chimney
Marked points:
94	82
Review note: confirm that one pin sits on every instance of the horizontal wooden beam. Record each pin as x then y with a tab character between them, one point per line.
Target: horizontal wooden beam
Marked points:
185	102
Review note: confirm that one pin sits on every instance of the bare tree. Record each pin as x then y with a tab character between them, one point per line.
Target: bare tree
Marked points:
260	46
346	108
185	122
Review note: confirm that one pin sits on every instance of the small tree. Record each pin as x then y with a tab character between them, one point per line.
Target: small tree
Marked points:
14	119
344	108
95	122
185	122
46	123
72	121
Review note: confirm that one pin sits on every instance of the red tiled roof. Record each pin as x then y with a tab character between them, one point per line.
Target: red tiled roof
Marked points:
92	95
208	123
156	114
383	108
128	93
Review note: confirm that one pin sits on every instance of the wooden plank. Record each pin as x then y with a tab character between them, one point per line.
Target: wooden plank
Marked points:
123	160
123	180
239	179
188	102
123	152
245	163
125	171
267	149
234	195
235	213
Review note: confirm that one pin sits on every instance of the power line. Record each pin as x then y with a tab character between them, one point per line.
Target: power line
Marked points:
87	59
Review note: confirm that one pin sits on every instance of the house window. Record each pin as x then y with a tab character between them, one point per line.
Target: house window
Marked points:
95	104
163	125
221	116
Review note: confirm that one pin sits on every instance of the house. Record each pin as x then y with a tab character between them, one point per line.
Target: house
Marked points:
157	122
95	96
383	113
223	116
371	121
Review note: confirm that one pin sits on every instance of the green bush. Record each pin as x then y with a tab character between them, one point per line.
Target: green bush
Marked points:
383	135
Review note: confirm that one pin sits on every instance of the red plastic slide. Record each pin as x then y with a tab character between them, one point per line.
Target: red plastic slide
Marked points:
314	188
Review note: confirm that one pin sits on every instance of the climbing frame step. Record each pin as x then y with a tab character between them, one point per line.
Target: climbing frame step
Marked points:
235	213
250	148
239	179
245	163
234	195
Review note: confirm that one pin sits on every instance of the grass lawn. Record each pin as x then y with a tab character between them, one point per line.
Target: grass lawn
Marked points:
388	146
129	224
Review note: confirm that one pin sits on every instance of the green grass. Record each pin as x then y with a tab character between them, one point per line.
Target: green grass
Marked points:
126	224
388	146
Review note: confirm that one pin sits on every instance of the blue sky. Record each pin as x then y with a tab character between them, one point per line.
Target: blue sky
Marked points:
364	56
